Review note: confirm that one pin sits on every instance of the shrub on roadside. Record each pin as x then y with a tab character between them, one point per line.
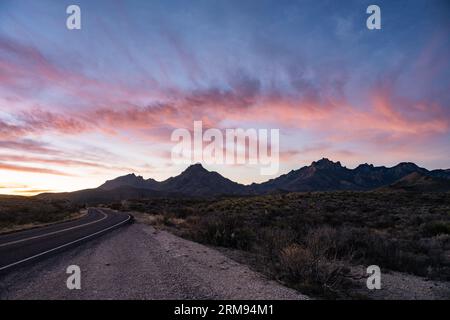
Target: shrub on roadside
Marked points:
224	231
435	228
314	266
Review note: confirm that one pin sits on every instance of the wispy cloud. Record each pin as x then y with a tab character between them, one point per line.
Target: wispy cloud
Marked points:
13	167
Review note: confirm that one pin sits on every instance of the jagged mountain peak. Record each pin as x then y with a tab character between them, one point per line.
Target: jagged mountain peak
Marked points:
326	163
196	180
364	166
128	177
130	180
196	168
132	175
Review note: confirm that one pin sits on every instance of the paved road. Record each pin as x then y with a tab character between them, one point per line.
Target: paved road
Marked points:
139	262
23	247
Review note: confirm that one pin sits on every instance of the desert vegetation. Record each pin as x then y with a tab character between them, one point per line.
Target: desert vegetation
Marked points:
22	212
311	241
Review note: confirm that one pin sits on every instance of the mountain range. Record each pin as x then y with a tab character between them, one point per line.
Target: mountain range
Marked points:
322	175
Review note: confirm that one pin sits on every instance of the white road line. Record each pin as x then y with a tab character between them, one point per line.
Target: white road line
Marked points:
64	245
55	232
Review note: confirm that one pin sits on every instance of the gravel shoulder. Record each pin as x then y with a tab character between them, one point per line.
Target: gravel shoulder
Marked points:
140	262
402	286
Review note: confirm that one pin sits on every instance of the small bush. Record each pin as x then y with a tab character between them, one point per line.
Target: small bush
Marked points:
226	231
434	228
315	273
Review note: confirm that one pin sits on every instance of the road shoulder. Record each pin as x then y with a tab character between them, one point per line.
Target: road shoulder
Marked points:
230	279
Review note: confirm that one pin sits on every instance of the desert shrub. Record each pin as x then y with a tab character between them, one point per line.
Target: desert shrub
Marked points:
322	241
436	249
184	212
225	231
310	266
271	241
116	206
434	228
136	206
296	262
152	219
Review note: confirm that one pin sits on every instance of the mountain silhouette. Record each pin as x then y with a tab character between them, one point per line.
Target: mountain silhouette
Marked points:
198	181
130	180
321	175
195	180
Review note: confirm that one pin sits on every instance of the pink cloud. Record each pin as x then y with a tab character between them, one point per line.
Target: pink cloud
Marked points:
13	167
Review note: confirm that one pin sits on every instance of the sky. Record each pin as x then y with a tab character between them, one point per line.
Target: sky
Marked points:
78	107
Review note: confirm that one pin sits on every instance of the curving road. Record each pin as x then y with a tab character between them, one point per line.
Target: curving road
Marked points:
21	247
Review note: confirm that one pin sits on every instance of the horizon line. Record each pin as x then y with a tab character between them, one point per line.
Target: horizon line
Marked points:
203	166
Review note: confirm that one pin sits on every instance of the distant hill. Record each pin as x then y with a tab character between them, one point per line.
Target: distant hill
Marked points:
98	195
321	175
440	173
420	182
130	180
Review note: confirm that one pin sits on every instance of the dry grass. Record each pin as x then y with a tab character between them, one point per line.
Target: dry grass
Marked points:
158	220
153	220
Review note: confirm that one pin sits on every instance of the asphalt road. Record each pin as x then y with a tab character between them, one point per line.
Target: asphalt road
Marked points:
19	248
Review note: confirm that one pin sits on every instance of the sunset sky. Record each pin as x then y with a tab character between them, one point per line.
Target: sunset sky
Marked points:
78	107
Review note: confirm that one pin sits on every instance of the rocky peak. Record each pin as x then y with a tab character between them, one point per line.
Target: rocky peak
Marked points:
325	163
